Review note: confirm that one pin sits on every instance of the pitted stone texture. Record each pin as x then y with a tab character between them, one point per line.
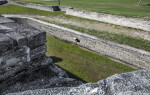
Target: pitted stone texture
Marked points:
26	35
4	29
40	78
132	83
5	43
12	61
38	52
23	63
24	46
5	20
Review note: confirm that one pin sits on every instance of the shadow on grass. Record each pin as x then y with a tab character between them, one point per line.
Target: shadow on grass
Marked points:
147	5
72	75
56	60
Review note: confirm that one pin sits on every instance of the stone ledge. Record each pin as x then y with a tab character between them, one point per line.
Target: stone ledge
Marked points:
20	48
132	83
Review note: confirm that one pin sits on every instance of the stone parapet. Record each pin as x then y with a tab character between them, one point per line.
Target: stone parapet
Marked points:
20	46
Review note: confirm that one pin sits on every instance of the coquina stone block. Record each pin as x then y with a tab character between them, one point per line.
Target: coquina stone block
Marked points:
5	43
23	35
13	61
38	52
21	48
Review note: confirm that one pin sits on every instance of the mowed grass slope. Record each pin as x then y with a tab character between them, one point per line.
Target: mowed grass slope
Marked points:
119	7
14	9
86	65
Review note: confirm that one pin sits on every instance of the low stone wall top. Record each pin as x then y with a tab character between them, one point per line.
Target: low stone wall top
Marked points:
113	19
133	83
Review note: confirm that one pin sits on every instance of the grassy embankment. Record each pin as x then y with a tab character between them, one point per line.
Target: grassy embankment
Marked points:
14	9
86	65
119	7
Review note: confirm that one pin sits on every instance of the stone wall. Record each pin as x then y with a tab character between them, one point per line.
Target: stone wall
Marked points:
113	19
21	47
23	63
130	55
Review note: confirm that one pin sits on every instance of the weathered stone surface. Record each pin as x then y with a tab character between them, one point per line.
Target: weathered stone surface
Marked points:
5	20
40	78
20	48
23	63
26	35
132	83
4	29
5	43
38	52
19	40
12	61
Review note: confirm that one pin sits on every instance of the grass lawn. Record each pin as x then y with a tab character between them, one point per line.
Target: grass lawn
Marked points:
14	9
119	7
86	65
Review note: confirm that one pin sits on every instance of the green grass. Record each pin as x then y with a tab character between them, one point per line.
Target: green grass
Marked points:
86	65
14	9
136	42
119	7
